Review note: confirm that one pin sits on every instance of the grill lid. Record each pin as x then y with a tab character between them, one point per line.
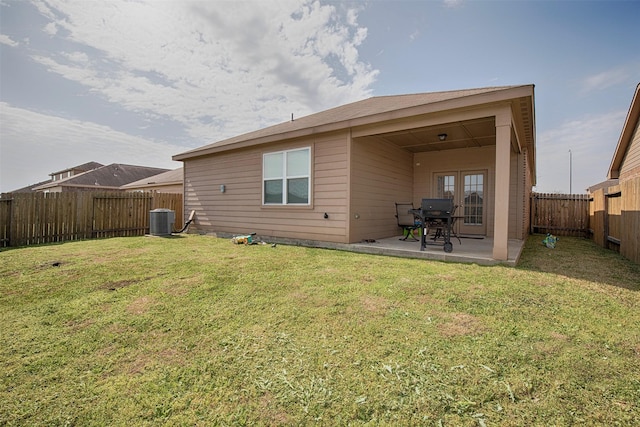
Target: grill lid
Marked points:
437	208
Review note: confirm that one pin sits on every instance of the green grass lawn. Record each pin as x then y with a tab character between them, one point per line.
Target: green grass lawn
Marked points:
197	331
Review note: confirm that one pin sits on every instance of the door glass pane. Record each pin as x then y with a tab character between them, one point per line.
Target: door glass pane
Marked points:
446	186
473	199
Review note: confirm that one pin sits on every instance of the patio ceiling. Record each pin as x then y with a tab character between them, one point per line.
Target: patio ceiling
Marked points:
471	133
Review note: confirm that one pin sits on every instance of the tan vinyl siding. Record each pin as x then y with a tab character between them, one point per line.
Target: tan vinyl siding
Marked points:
631	163
239	209
381	175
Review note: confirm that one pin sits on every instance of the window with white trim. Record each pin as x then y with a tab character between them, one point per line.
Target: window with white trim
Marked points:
286	177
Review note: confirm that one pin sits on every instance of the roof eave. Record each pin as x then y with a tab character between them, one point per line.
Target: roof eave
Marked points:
150	185
633	115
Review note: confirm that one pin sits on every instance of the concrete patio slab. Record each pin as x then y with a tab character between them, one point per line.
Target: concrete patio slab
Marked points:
471	250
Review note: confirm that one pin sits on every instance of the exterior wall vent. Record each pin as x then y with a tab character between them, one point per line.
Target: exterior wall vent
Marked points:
161	222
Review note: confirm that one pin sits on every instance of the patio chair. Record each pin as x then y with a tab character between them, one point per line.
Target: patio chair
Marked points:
407	221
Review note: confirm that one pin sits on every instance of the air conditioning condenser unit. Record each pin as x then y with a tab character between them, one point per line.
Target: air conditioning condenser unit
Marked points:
161	222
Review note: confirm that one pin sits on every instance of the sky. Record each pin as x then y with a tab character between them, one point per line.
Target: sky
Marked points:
137	82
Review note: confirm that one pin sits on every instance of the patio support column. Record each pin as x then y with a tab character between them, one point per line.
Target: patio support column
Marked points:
502	184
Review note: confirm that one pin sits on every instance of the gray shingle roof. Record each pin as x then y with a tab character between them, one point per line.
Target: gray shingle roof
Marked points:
110	176
83	167
345	114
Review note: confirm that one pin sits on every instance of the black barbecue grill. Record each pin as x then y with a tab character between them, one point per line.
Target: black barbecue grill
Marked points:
436	213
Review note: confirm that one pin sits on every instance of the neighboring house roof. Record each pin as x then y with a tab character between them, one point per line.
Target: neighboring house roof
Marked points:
171	177
29	188
77	169
364	112
624	143
112	176
80	168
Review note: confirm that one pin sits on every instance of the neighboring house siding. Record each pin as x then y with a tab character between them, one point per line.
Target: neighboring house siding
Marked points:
381	175
239	209
630	166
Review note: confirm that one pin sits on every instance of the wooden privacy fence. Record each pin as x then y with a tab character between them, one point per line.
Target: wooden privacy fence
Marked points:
560	214
615	218
36	218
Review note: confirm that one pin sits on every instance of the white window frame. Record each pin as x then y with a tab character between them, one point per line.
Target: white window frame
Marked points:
285	177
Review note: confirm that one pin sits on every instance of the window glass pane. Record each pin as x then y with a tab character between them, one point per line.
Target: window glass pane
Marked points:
273	191
298	190
273	165
298	163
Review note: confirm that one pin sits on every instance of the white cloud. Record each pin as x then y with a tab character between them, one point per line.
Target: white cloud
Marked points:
51	28
5	39
592	140
605	79
218	68
41	144
453	3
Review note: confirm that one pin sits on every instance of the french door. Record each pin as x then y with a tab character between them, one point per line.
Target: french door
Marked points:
468	191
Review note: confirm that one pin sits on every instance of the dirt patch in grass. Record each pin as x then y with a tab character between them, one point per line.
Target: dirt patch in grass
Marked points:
558	336
140	305
119	284
445	277
79	325
177	289
298	295
138	365
269	411
375	304
552	347
458	324
112	286
50	264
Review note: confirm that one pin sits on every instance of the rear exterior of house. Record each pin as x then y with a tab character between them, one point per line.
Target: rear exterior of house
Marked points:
335	176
